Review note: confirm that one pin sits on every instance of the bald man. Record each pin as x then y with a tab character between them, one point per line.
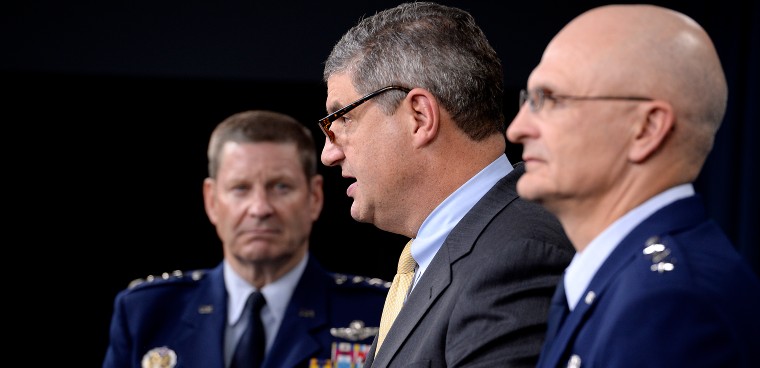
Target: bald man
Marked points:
617	121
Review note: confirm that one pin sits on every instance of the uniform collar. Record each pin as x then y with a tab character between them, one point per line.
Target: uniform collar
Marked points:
277	293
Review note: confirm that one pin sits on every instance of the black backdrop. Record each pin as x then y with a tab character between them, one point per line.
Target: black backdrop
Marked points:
109	106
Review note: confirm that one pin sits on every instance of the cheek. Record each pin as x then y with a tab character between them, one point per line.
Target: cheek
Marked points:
299	222
386	170
368	160
569	152
229	212
379	158
578	137
588	160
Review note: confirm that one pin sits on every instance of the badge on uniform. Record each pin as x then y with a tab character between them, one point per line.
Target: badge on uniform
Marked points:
344	355
356	331
162	357
347	354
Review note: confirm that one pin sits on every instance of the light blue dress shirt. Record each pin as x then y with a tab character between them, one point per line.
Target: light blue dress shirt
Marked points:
442	220
277	295
584	265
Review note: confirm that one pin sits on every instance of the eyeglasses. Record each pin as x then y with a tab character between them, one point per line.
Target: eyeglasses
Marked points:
326	121
537	97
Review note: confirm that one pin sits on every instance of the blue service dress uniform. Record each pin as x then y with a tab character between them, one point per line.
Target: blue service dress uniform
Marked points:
179	320
673	293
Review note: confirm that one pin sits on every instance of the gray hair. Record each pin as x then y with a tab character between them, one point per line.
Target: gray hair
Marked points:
432	46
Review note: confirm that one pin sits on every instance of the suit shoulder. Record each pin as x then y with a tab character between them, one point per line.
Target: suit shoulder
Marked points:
166	279
346	281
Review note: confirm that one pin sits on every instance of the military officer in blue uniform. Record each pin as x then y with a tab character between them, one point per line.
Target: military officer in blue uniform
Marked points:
263	194
616	124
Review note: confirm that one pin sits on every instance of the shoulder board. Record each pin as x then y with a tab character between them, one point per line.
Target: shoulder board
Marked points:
659	254
167	277
343	279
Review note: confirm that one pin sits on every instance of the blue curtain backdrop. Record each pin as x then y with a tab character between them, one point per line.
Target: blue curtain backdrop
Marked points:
729	181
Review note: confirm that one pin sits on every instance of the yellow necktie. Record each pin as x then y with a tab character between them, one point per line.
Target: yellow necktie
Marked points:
397	293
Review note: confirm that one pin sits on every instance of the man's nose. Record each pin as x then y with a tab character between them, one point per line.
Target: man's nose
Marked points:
259	204
332	154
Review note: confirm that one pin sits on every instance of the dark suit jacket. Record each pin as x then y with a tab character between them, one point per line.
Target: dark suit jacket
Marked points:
188	314
693	302
483	300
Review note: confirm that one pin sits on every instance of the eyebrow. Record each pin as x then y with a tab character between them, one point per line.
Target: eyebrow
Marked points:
335	106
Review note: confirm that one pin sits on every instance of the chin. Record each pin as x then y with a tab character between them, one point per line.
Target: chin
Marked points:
357	214
527	188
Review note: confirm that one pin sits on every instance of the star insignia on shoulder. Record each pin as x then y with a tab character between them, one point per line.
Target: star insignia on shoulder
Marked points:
659	254
341	279
194	275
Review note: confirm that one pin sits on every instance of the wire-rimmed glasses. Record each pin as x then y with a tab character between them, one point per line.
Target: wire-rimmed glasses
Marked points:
536	98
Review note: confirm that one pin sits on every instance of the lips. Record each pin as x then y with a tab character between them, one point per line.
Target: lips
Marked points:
351	189
258	234
352	184
530	159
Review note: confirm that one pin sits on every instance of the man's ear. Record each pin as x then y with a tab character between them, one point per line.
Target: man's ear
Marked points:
653	130
426	116
316	196
209	201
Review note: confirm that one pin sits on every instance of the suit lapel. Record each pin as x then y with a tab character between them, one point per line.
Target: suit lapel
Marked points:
203	339
678	215
370	360
306	312
565	334
437	276
431	285
558	311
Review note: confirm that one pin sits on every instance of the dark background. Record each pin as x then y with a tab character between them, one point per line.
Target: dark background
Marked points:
108	107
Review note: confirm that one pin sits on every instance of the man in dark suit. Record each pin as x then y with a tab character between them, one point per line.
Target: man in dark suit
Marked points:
617	121
263	194
416	119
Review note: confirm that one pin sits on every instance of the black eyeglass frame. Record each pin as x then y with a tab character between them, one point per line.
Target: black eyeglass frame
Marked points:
325	122
537	103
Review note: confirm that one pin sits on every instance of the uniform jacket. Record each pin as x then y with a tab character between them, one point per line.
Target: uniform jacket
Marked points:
483	300
673	293
187	313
